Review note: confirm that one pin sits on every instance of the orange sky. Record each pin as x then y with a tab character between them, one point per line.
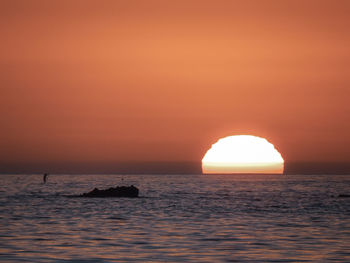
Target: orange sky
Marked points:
163	80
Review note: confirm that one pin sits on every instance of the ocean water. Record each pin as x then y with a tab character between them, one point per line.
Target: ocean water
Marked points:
178	218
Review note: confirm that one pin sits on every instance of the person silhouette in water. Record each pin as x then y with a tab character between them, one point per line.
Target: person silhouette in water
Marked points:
45	177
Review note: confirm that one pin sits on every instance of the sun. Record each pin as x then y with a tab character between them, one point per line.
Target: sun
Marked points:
242	154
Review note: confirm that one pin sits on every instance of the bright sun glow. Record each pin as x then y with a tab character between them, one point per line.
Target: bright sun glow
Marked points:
242	154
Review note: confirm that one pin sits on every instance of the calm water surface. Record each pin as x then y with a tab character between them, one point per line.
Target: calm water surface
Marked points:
192	218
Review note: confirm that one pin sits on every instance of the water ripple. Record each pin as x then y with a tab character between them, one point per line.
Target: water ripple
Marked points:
179	218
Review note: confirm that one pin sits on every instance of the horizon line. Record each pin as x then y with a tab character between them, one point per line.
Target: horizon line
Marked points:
158	167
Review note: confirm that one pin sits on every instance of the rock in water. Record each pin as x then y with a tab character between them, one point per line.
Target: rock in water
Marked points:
119	191
344	196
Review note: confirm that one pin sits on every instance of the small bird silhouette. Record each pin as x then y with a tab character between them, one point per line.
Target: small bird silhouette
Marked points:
45	177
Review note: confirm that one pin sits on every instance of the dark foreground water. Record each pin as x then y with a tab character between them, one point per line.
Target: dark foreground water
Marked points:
198	218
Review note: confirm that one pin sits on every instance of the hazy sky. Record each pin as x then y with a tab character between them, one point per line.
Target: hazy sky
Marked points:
163	80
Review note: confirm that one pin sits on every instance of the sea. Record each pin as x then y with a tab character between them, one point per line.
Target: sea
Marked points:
177	218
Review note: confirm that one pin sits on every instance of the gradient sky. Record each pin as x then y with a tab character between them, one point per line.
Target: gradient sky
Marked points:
163	80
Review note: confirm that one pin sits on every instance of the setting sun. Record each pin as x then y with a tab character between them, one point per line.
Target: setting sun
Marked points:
242	154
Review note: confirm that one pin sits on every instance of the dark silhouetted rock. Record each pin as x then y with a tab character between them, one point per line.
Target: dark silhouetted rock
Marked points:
344	196
119	191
